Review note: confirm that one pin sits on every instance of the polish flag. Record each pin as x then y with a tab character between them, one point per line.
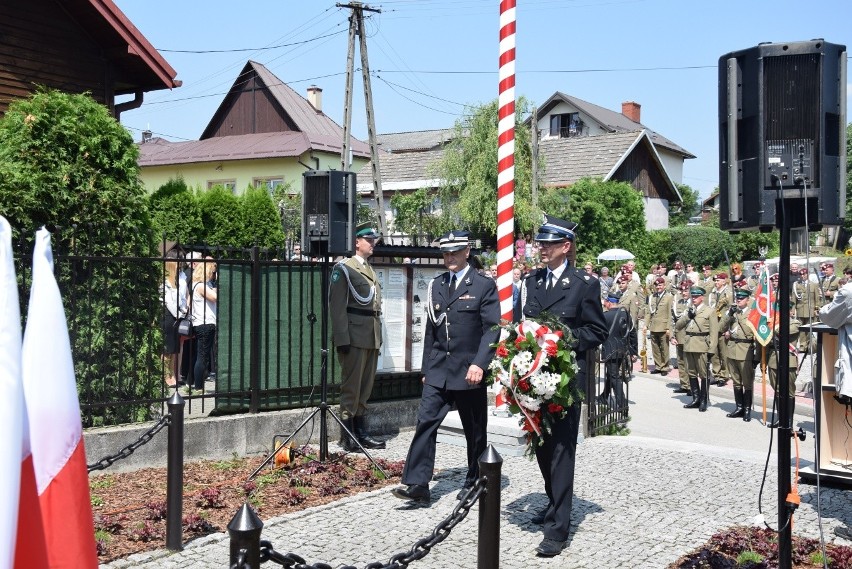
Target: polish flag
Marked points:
56	432
11	398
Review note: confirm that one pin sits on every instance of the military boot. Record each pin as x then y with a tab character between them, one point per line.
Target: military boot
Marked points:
791	406
364	438
703	394
738	398
347	442
747	400
693	386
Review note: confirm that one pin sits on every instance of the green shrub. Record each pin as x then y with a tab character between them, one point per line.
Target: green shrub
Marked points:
261	221
176	213
221	217
66	163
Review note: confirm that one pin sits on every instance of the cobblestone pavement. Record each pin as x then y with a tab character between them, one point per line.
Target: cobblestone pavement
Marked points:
641	501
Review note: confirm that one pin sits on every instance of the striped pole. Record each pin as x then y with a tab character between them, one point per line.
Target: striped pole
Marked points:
506	158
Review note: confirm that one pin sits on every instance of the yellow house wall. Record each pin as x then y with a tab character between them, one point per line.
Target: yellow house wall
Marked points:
197	175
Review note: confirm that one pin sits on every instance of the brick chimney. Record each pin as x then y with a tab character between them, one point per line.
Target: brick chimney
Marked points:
631	110
315	97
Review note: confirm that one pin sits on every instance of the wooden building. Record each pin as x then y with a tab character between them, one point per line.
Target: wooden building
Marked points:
77	46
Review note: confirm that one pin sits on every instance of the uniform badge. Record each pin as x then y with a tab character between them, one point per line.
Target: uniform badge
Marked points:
437	307
335	276
566	280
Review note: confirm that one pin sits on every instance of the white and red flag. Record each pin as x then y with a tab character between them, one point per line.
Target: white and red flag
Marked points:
57	456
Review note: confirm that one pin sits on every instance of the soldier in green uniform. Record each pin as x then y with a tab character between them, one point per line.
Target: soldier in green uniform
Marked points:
806	302
740	338
702	334
658	323
706	278
630	301
355	302
828	282
679	308
772	365
720	299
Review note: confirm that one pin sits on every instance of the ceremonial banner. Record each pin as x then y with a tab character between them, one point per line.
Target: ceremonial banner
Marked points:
761	318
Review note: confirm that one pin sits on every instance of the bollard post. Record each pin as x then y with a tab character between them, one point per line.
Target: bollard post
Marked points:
488	554
174	475
244	529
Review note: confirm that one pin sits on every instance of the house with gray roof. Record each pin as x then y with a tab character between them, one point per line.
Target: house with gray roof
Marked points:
577	140
264	134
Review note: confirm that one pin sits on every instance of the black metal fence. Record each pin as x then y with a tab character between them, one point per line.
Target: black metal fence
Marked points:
268	344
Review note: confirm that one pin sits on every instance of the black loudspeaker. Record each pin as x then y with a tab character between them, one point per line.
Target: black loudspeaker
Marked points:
328	213
782	135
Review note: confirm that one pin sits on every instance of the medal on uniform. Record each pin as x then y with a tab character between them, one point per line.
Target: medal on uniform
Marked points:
437	307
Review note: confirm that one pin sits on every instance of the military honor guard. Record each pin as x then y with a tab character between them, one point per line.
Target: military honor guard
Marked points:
828	282
701	326
571	295
679	308
658	322
806	303
355	303
779	351
720	299
740	338
463	312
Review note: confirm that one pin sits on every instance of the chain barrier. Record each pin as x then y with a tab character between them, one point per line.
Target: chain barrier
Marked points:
146	437
418	551
240	563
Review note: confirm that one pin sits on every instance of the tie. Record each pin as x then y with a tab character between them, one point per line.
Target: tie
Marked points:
452	285
551	281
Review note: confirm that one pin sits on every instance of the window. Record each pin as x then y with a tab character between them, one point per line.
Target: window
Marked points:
230	185
269	183
566	125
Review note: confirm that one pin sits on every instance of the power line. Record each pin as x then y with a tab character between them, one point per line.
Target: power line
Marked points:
530	71
418	92
419	104
199	51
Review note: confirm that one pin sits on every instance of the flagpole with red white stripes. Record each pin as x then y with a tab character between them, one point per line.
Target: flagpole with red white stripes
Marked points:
506	158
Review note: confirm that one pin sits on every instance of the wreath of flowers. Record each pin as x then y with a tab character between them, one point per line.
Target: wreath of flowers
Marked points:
536	368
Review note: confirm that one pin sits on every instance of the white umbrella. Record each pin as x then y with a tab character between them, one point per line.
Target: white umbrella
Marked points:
615	255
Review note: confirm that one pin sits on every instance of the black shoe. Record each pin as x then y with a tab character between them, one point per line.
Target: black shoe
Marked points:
550	547
414	492
463	492
681	390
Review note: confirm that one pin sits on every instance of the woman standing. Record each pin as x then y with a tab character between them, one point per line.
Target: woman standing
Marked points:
172	310
203	311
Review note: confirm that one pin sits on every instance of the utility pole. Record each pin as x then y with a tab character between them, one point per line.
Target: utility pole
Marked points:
534	152
356	26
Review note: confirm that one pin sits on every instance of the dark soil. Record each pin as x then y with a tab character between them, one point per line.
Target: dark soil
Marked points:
757	548
130	509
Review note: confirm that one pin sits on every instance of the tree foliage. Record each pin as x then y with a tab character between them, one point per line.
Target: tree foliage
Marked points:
221	216
261	223
609	215
679	214
67	164
411	213
468	170
175	213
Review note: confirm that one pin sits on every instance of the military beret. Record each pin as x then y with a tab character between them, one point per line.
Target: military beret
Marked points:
720	276
659	280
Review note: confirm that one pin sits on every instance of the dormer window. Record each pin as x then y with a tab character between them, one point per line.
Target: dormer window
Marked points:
566	125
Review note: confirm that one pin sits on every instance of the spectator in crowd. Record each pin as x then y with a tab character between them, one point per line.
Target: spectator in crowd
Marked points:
691	273
605	278
520	247
188	345
172	310
516	284
828	283
297	253
203	298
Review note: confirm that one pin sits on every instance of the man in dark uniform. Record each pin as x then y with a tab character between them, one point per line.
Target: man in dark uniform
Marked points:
615	352
355	302
462	315
573	296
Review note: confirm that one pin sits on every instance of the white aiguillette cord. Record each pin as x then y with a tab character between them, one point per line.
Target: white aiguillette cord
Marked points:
358	298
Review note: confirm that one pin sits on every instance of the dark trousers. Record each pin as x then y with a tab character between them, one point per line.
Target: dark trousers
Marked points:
556	457
472	406
204	336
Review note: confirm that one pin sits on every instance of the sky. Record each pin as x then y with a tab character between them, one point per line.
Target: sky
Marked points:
432	59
